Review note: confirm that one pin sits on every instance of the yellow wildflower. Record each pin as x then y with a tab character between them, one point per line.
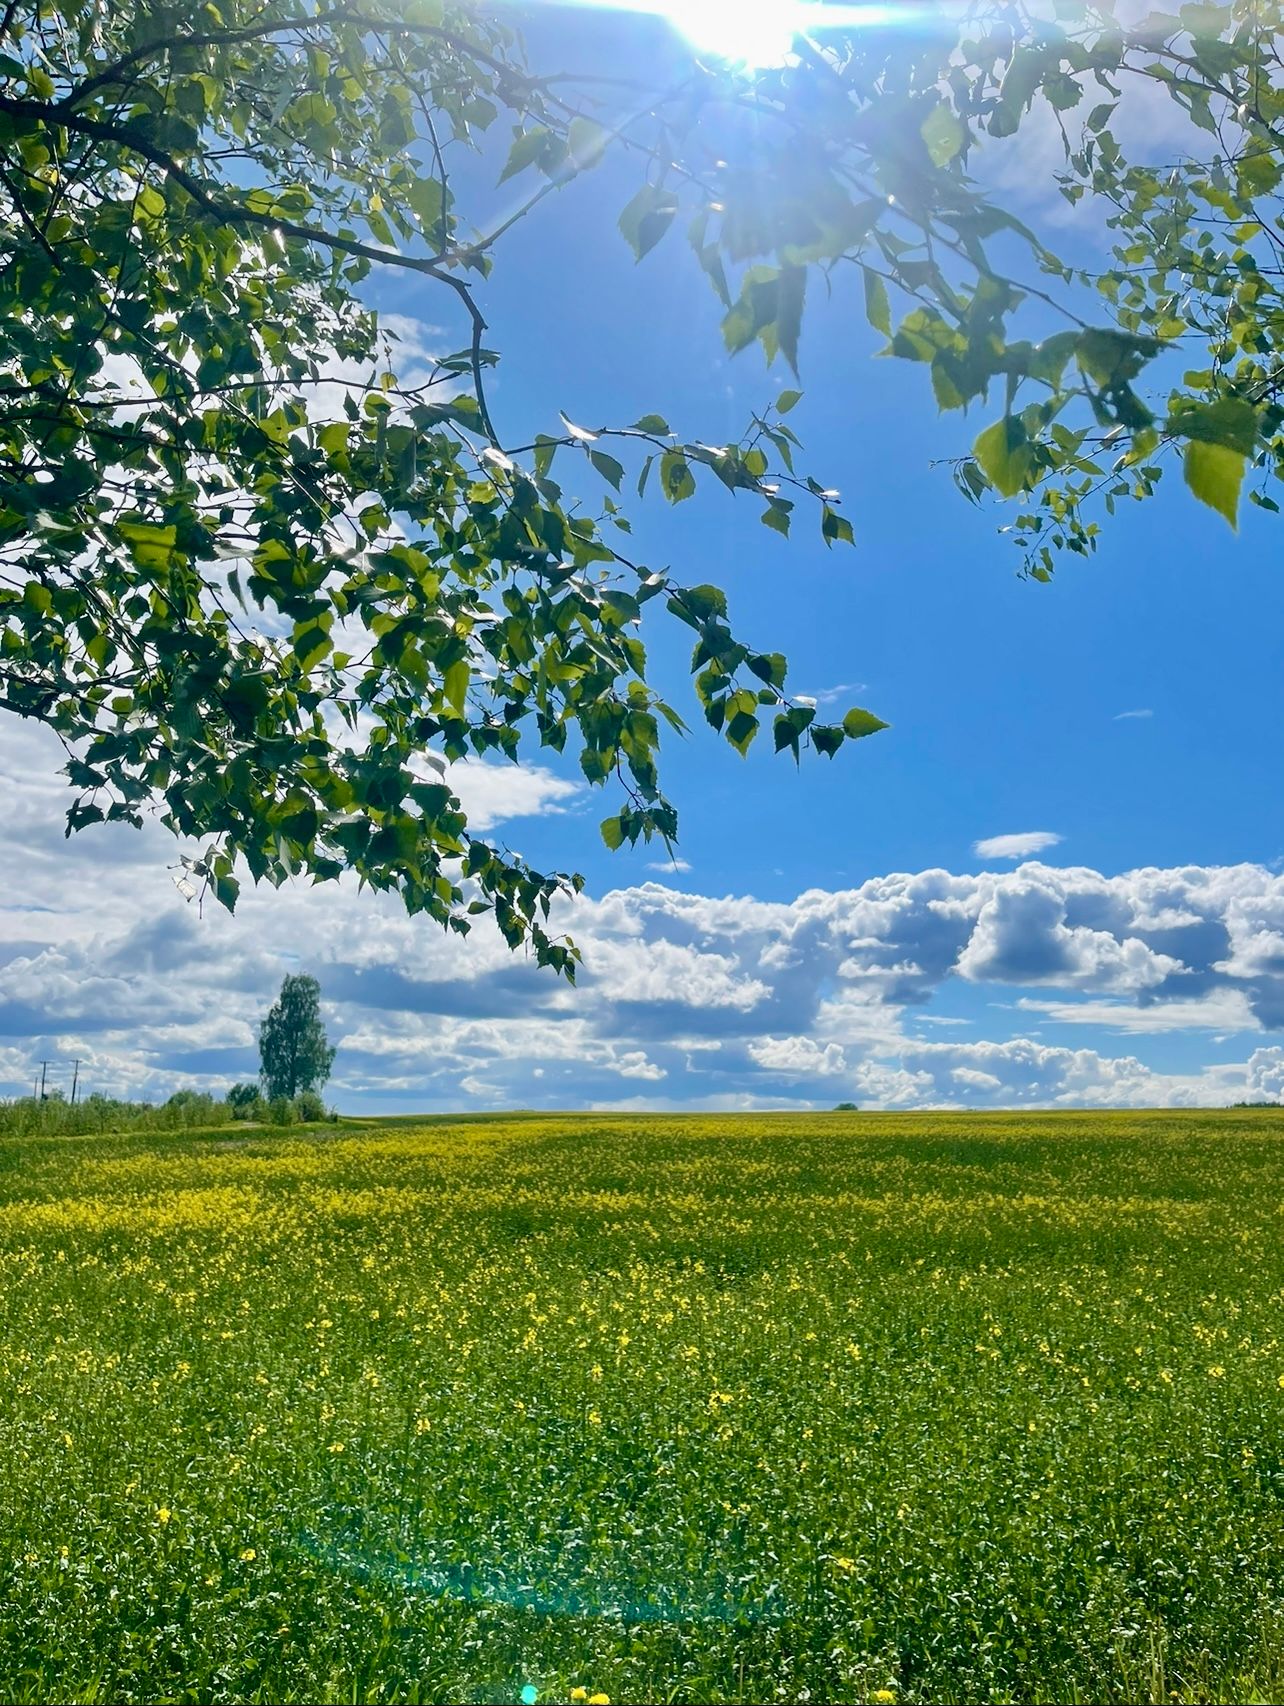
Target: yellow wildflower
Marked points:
249	1555
163	1515
579	1696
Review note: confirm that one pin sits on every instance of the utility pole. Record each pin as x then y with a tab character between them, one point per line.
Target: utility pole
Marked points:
75	1079
44	1073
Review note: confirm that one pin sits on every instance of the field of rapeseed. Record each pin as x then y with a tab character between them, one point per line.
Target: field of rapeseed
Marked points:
947	1407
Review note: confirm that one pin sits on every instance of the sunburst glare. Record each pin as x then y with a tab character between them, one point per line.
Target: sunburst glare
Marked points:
751	32
758	33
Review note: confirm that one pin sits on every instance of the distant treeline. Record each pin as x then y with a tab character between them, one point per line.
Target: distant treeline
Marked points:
57	1116
186	1110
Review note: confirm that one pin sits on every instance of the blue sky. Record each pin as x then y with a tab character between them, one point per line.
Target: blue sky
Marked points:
1131	710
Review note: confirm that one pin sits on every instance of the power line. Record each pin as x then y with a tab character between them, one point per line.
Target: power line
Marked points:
51	1081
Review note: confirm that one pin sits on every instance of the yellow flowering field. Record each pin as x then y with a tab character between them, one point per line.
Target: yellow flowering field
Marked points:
944	1407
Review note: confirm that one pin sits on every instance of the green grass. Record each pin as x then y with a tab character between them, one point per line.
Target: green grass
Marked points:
961	1408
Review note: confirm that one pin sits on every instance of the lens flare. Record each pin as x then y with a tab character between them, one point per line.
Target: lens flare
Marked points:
662	1603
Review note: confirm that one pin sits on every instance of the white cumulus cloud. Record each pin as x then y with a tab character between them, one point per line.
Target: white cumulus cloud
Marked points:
1022	846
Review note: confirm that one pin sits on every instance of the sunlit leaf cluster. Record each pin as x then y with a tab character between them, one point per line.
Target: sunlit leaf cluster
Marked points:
872	148
262	575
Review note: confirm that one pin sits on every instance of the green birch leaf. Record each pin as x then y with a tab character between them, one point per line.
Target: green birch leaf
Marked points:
943	134
1215	473
647	217
1003	452
834	526
227	890
792	291
586	139
311	643
455	684
150	544
857	724
607	466
526	150
878	310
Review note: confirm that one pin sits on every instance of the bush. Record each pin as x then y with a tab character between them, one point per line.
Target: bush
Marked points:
189	1108
309	1106
281	1111
245	1101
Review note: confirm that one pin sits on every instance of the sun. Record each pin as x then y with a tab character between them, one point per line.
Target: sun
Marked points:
760	34
753	33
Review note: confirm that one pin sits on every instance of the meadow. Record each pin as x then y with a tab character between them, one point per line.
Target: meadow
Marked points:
829	1407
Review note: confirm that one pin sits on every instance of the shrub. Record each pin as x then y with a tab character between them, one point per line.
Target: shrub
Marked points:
188	1108
245	1101
309	1106
281	1111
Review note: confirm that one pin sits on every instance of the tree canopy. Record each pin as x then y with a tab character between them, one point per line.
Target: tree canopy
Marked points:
275	619
293	1050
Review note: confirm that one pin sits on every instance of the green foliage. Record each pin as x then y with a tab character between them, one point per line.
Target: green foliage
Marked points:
864	154
1215	473
281	1110
961	1407
275	618
245	1101
309	1106
293	1052
55	1116
183	1101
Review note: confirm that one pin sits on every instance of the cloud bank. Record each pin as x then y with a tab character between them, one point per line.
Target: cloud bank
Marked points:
923	988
